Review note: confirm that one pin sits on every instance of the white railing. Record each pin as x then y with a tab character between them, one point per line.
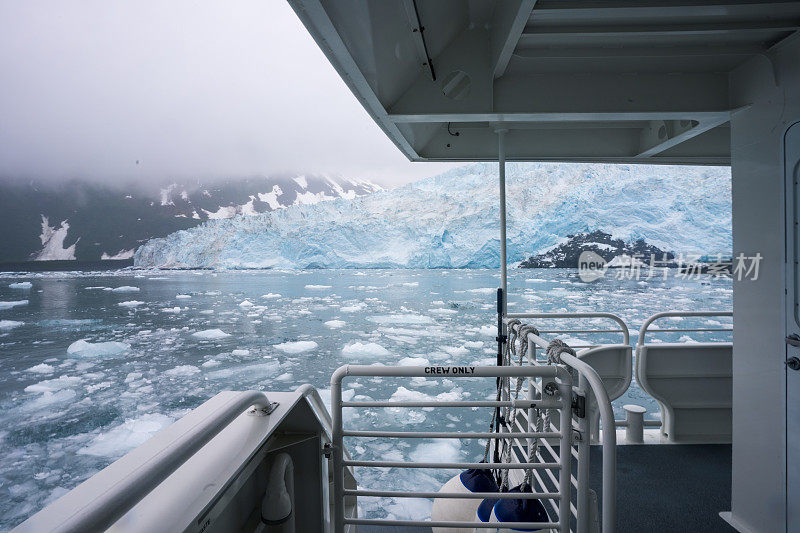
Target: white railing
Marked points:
588	381
100	513
558	469
621	329
645	329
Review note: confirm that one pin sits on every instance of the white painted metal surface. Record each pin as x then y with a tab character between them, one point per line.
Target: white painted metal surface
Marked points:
560	498
692	382
791	148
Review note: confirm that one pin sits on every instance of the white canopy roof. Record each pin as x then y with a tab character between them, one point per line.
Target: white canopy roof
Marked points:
571	80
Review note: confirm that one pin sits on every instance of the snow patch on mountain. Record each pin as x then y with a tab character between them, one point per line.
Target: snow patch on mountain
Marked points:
451	220
53	242
122	254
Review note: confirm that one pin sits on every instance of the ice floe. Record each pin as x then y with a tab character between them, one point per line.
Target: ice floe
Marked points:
41	368
15	303
334	324
9	324
296	346
210	334
130	303
126	436
368	349
83	348
182	371
124	288
21	285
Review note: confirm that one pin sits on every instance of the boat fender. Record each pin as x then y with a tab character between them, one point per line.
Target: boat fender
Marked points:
514	510
462	509
276	507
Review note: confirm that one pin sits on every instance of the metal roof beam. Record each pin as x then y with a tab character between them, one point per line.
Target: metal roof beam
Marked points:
594	5
639	51
508	22
534	33
660	135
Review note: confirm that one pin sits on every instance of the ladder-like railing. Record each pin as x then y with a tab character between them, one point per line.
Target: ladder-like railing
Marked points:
558	468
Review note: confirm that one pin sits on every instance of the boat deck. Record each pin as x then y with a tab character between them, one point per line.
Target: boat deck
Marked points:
660	488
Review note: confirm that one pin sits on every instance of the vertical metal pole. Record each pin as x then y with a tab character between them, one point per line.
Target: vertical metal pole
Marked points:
531	396
338	454
501	159
565	456
583	463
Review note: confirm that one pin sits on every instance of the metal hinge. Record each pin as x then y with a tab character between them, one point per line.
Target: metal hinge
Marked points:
579	405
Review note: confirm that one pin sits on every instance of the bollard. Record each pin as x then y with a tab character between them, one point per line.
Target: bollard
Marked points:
634	416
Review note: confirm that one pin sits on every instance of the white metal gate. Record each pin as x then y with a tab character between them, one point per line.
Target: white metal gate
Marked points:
559	469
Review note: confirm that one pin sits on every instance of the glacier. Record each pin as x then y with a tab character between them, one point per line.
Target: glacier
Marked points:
451	220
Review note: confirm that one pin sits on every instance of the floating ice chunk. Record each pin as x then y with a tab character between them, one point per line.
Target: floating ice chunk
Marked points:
53	385
270	295
483	290
246	304
442	311
128	435
488	331
287	376
437	302
207	312
318	287
334	324
210	363
83	348
404	319
21	285
210	334
413	361
130	303
441	450
8	324
41	368
368	349
240	353
48	398
182	371
174	310
125	288
473	344
296	346
411	284
9	305
687	339
249	371
98	288
455	350
353	308
183	296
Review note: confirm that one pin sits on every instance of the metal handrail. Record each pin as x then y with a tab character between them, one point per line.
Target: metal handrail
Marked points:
609	435
100	513
623	328
561	402
644	329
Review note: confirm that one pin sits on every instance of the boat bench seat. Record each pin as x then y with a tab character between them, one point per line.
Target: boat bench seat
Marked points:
613	363
693	385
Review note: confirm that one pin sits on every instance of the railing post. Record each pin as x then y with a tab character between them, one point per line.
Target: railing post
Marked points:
565	454
582	502
338	449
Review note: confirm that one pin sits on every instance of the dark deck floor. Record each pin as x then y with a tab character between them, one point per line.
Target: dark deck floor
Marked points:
660	488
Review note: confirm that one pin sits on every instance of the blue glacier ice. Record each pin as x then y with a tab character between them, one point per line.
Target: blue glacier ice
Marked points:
451	220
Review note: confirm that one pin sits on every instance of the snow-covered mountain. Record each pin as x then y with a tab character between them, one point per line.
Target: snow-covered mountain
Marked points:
88	221
451	220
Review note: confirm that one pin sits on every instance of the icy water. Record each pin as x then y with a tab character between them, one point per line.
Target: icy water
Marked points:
64	416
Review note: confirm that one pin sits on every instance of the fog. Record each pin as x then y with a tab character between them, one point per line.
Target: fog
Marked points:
157	91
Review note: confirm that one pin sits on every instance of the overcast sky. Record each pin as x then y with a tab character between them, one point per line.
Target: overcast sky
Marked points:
186	88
